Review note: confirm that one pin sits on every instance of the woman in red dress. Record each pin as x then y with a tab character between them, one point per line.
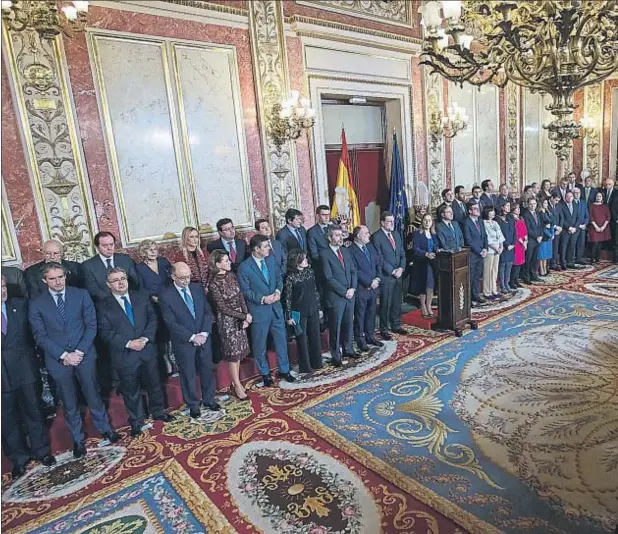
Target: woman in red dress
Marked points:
521	244
598	229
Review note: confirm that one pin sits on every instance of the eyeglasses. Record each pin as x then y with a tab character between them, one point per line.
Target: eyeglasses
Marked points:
182	277
116	280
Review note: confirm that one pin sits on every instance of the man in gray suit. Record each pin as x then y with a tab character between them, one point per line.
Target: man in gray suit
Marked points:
389	244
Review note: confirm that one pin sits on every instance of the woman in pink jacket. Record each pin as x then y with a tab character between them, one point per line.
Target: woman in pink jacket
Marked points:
521	244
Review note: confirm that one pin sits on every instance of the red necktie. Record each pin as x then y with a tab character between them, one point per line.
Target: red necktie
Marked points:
232	253
340	256
392	241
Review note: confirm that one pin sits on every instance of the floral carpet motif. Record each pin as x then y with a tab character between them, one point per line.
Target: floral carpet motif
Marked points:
606	288
531	449
609	273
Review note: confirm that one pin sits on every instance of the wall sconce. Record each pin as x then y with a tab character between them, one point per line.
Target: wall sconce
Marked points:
447	126
42	16
588	126
289	118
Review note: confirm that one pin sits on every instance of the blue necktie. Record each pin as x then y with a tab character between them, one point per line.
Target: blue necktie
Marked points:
300	239
188	301
265	271
61	307
366	253
128	309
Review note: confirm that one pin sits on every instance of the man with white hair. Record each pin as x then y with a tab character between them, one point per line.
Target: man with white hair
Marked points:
52	251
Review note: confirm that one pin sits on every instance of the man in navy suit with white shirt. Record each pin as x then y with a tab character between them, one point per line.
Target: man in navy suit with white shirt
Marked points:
64	324
277	250
476	238
128	324
368	266
261	283
293	234
188	317
582	226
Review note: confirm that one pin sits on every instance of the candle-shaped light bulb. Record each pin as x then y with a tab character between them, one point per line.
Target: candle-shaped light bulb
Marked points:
81	5
70	12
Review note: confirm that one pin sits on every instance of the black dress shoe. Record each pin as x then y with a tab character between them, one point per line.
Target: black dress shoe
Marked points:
399	330
18	471
112	436
268	381
79	449
536	279
165	417
362	346
336	362
195	414
48	460
386	336
136	430
375	343
287	377
213	406
354	355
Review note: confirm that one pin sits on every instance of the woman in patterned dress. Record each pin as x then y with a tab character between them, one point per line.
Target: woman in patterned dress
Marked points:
232	315
193	256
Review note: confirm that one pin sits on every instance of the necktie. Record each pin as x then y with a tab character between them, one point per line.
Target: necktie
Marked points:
61	307
340	256
233	252
391	240
478	228
188	301
300	239
450	226
324	228
109	264
3	323
128	309
265	272
571	209
366	253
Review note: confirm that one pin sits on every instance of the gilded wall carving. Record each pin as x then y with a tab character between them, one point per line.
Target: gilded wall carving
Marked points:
435	150
269	61
44	110
512	137
593	108
397	11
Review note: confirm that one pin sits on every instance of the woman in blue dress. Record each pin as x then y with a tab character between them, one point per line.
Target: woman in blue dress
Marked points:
155	274
546	247
425	245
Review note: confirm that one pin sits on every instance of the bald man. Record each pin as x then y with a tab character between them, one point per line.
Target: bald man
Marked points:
188	317
52	251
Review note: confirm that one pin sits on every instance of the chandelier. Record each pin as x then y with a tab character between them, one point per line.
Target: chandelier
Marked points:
552	47
42	16
447	126
289	118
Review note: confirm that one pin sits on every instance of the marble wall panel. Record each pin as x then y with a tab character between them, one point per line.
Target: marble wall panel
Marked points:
540	161
141	141
464	164
211	119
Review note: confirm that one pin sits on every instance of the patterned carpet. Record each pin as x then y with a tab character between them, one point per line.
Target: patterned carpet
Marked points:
512	428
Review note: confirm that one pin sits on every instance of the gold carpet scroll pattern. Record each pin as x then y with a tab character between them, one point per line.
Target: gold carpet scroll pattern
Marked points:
542	405
422	428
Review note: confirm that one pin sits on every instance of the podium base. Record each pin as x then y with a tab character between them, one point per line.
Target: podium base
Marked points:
458	331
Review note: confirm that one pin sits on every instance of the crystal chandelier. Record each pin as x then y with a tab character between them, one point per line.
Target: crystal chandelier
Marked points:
289	118
447	126
42	16
552	47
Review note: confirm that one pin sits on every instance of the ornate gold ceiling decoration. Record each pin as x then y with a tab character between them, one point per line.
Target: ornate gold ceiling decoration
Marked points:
391	12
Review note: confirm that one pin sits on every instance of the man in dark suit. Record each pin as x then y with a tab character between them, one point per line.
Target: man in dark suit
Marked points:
475	237
477	193
261	283
570	226
535	236
488	198
20	392
555	210
276	248
316	235
293	234
341	280
15	282
582	227
95	269
561	188
460	210
391	250
188	317
589	192
449	234
503	196
369	268
128	324
64	324
447	200
52	251
236	248
610	197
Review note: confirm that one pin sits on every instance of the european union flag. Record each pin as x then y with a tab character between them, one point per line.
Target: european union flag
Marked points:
398	203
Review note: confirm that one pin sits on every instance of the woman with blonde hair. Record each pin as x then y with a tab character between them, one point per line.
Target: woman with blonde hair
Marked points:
193	256
233	317
425	246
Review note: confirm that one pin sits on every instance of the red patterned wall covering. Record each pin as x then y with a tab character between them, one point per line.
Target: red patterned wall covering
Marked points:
608	88
303	160
17	181
418	111
291	8
89	121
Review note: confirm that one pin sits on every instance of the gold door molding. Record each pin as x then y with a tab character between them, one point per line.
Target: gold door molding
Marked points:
270	73
593	108
435	150
38	76
512	102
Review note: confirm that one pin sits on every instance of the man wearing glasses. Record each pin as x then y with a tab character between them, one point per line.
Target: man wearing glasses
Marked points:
52	251
128	325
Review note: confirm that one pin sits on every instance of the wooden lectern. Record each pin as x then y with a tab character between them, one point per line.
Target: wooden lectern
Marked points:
454	295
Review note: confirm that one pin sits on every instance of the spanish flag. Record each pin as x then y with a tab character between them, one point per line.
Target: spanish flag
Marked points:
345	202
